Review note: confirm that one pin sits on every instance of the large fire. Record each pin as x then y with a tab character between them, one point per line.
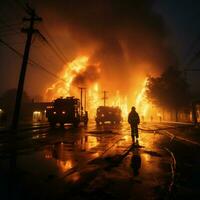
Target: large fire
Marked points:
63	87
94	92
141	102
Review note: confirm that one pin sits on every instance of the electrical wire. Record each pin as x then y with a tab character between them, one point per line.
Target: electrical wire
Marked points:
55	48
63	60
45	56
31	62
54	45
53	41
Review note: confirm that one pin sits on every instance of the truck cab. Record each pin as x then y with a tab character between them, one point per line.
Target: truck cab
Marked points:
108	114
65	110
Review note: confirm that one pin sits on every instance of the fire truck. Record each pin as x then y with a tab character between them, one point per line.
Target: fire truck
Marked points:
108	114
66	110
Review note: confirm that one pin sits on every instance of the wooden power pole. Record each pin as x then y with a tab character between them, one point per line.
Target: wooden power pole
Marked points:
81	100
104	97
29	31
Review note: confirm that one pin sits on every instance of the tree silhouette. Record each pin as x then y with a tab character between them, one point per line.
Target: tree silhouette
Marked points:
170	90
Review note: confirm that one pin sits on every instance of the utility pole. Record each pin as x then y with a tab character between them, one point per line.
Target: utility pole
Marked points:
104	97
85	99
29	31
81	103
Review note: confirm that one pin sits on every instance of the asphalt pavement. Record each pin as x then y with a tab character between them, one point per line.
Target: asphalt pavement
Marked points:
99	162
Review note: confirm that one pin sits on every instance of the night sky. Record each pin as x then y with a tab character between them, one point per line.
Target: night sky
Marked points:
181	21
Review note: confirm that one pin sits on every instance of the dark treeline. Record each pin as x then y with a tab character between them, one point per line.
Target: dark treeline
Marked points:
169	91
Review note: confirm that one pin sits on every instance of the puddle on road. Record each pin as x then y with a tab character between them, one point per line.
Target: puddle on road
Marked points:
58	158
141	170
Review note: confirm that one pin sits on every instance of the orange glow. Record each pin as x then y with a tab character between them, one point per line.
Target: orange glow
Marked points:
94	91
141	102
88	142
121	102
64	165
71	70
48	154
94	99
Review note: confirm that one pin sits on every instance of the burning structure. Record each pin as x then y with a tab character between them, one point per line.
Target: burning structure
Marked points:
111	45
80	73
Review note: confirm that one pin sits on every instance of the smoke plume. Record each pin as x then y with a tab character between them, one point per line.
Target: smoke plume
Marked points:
89	76
127	37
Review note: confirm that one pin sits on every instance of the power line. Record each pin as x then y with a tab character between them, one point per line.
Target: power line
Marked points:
44	69
54	43
29	35
63	60
46	57
31	62
11	48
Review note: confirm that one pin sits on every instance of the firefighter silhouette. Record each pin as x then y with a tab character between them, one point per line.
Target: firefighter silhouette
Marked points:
134	120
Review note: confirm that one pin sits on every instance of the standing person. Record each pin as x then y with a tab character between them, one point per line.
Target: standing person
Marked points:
134	120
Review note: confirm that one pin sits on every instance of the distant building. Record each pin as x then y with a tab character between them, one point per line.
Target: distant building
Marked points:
35	111
30	112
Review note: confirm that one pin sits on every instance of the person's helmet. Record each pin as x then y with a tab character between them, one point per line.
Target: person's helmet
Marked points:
133	108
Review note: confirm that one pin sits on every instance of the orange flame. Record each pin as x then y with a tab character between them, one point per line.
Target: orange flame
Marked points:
141	102
94	99
63	87
121	102
94	93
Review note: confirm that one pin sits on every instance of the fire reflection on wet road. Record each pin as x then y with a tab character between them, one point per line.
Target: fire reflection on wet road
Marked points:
92	160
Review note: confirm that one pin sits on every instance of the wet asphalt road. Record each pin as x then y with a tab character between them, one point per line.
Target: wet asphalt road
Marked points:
98	163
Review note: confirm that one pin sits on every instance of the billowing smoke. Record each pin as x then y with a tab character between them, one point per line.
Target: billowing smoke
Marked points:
126	37
88	77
